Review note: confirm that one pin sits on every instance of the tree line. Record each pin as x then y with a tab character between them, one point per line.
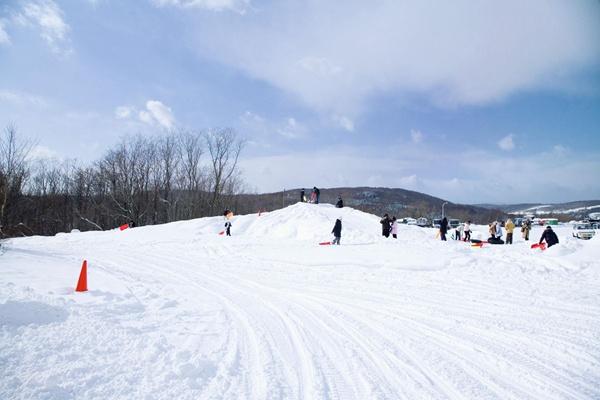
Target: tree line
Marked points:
142	179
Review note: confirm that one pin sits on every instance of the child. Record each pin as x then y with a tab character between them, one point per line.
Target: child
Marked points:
394	228
457	234
228	228
337	231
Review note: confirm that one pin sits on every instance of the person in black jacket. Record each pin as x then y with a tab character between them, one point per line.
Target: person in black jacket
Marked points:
549	236
317	194
302	196
443	228
385	225
340	202
337	231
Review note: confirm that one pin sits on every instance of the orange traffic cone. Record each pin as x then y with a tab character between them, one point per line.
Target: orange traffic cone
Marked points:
82	283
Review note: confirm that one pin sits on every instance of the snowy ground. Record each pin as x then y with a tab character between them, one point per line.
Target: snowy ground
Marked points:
177	311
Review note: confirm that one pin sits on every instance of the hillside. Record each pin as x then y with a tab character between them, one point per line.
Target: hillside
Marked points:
178	311
571	210
394	201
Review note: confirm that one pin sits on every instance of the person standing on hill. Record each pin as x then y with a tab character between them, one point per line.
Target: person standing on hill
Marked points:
457	232
317	194
337	231
394	228
302	196
313	196
525	228
228	228
510	227
443	228
340	202
467	230
385	225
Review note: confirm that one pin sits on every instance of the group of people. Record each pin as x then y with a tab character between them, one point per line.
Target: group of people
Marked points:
314	196
461	232
496	232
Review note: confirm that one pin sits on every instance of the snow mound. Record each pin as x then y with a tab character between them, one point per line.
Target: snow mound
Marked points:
304	221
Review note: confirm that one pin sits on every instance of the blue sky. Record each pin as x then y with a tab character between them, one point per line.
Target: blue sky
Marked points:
470	101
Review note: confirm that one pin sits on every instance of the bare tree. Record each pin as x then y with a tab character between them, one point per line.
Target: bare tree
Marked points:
224	149
14	169
128	171
142	179
192	175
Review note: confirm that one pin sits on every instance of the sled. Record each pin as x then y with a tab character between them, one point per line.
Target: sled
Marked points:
123	227
541	246
479	244
324	243
222	233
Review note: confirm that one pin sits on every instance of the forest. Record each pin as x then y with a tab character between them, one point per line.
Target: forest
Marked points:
141	180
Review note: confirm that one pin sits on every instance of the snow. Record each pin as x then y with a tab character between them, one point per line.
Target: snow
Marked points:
177	311
538	210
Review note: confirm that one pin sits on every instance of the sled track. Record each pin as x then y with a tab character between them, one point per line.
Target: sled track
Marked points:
315	345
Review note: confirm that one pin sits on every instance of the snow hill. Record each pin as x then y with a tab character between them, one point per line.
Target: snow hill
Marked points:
179	311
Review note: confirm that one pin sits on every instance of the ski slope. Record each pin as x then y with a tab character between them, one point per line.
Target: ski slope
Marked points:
177	311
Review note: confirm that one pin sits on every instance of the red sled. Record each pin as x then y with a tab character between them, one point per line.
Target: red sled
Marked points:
222	232
541	246
123	227
324	243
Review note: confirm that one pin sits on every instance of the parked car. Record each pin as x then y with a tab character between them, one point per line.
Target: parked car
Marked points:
422	222
436	222
410	221
454	223
583	230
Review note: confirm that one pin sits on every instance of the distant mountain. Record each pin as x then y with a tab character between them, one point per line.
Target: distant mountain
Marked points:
399	202
571	210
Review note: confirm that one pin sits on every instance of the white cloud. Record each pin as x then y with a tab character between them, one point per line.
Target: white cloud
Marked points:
161	113
123	112
416	136
249	118
146	117
292	129
265	133
507	143
4	38
21	98
344	122
155	112
40	152
47	16
335	58
239	6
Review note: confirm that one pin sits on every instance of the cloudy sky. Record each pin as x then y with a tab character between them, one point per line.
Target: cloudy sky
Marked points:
473	101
